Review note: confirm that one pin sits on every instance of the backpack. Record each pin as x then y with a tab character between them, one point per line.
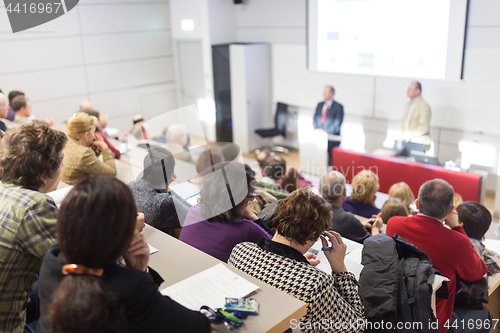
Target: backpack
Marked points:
396	286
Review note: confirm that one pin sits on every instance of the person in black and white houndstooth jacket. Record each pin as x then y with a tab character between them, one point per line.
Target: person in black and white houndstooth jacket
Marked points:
333	303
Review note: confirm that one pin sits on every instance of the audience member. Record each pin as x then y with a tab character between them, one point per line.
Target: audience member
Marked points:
13	94
274	173
30	166
4	109
364	192
332	188
177	138
162	208
82	289
207	159
393	207
457	200
99	134
404	193
451	251
230	151
86	105
226	227
80	158
283	262
476	220
22	110
292	174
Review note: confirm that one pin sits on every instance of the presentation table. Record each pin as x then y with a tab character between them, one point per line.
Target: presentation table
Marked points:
176	261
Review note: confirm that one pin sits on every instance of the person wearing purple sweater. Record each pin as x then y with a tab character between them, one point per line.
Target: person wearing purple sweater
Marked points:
364	192
224	218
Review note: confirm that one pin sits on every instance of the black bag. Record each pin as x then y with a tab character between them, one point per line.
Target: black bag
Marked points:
471	295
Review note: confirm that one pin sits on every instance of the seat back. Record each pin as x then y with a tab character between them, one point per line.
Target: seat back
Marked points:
280	118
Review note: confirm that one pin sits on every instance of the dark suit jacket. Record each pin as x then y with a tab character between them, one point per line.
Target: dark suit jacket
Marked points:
333	120
348	225
145	308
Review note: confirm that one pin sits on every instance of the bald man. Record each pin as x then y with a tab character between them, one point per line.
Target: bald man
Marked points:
415	124
86	105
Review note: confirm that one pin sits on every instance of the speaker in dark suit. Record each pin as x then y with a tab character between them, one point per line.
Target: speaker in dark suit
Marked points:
328	117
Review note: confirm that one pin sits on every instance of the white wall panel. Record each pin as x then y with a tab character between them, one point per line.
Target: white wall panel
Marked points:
124	17
104	48
60	109
56	83
64	25
275	13
40	54
272	35
130	74
484	13
295	85
483	38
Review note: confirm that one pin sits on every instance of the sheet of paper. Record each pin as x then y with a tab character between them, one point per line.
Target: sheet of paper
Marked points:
59	195
185	190
492	244
209	287
152	249
352	260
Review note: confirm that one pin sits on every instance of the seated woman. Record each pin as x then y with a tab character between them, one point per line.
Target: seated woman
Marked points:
393	207
162	208
82	289
476	220
224	218
403	192
207	159
364	192
283	262
83	149
99	132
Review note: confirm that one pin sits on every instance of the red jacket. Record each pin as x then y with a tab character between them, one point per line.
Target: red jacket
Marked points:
451	253
110	146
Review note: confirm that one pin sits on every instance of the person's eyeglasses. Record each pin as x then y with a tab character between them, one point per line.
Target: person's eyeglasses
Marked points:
219	316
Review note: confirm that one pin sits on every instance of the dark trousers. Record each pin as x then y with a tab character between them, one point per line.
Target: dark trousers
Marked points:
470	321
331	145
33	311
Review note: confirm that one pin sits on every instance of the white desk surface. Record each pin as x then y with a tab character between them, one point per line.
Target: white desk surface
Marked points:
176	261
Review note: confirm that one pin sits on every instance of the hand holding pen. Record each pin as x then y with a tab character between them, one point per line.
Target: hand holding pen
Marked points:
335	253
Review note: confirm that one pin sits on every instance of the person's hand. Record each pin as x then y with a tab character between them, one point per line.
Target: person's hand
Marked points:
249	214
139	222
311	257
451	219
320	130
378	221
367	224
336	255
137	254
99	143
49	120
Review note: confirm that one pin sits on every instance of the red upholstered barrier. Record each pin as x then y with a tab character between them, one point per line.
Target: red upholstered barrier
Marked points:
392	170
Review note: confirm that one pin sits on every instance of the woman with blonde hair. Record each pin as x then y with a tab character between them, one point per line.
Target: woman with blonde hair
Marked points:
364	192
404	193
393	207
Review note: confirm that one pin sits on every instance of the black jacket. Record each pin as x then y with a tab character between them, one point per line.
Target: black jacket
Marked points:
146	309
346	224
396	283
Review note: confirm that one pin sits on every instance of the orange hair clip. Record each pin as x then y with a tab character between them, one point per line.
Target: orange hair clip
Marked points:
73	269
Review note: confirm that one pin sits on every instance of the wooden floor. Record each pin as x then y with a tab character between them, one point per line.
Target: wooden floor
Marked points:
292	159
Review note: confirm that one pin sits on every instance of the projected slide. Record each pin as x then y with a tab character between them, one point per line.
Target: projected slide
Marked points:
405	38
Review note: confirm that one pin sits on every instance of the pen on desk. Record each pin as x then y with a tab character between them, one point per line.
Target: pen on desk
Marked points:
328	248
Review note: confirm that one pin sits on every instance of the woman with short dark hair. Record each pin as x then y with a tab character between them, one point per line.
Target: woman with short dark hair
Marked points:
283	262
82	289
224	218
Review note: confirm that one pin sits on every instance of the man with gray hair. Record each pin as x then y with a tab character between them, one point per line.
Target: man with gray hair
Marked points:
437	231
4	110
177	138
332	188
